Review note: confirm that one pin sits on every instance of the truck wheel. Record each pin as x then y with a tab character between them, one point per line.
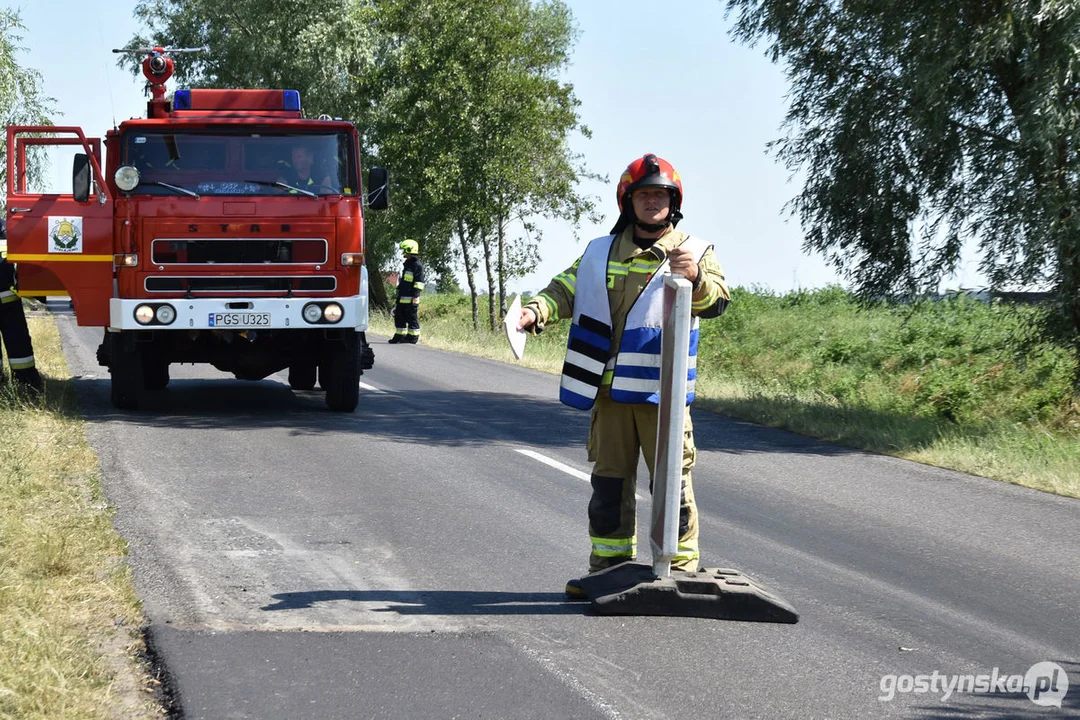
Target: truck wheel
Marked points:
302	377
340	375
156	373
127	369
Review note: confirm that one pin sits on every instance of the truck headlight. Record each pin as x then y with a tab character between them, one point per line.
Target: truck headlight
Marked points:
333	312
126	177
165	314
312	313
144	314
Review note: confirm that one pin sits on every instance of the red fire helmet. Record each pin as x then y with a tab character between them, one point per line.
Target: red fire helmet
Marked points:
649	171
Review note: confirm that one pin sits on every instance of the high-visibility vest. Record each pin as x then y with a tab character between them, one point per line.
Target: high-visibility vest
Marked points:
636	367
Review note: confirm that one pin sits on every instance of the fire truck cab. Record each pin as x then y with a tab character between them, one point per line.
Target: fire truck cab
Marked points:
224	228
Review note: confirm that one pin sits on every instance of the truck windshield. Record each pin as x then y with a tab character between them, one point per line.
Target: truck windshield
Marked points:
209	163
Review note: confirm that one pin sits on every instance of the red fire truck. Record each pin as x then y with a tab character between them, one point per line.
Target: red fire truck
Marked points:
225	228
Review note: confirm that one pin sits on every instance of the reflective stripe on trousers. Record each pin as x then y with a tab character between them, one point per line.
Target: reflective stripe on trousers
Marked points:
21	363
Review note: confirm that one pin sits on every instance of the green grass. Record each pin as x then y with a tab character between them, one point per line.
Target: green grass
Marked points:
70	623
958	384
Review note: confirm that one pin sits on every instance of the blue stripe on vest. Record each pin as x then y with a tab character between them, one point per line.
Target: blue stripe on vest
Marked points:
575	400
648	341
637	372
591	338
641	340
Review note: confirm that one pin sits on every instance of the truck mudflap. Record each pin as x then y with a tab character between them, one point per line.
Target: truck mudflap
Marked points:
239	314
367	353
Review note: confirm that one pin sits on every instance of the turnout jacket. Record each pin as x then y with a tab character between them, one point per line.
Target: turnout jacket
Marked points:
411	282
629	270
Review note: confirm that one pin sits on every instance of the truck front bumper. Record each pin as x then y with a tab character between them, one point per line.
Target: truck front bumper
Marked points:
236	313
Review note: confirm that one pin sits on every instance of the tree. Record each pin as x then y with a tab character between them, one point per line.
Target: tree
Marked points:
21	99
926	128
474	115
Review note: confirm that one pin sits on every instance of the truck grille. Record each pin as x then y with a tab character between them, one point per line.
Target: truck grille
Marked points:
238	251
240	284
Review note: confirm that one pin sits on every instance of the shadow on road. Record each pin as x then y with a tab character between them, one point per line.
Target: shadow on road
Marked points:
425	417
449	419
437	602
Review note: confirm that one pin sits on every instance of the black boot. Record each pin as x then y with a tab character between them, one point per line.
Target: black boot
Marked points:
411	339
29	378
398	337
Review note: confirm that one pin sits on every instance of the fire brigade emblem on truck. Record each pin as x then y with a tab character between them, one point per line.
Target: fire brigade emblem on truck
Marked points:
65	234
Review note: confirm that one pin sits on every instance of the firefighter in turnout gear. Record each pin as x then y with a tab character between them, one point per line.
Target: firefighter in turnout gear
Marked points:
410	285
13	328
613	296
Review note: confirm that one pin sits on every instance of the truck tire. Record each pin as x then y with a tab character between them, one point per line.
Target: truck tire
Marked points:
339	374
127	369
302	377
156	372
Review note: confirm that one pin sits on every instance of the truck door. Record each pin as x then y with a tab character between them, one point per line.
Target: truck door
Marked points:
62	245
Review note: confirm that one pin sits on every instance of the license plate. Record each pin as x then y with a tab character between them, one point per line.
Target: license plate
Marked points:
240	319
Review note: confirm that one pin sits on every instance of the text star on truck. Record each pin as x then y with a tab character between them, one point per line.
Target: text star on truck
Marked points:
225	228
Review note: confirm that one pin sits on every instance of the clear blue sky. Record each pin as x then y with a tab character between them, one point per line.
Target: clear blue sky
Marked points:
651	77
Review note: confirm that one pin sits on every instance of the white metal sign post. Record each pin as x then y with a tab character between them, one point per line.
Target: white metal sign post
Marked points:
667	471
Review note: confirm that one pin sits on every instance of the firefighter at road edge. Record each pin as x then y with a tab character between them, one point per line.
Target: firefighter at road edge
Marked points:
13	328
410	285
614	296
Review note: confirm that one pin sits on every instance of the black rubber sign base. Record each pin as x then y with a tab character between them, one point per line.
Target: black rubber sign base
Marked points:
719	593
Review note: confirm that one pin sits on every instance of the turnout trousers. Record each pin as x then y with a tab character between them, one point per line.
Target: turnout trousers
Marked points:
617	432
407	318
16	335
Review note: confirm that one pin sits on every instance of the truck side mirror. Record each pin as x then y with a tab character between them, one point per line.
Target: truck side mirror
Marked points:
80	177
378	195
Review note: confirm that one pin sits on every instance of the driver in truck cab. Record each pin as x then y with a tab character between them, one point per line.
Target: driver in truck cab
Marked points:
300	172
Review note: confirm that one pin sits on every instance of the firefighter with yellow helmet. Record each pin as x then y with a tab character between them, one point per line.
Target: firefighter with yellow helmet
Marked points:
13	328
407	306
613	296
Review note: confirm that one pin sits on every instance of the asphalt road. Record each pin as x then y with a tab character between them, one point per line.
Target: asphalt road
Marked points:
407	560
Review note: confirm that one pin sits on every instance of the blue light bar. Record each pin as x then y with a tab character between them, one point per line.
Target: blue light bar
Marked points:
181	100
292	100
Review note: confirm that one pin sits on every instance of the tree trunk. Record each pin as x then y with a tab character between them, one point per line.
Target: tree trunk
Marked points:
502	267
490	281
1067	293
377	298
463	236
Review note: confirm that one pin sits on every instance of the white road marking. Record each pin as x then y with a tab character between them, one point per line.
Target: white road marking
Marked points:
372	388
560	466
555	464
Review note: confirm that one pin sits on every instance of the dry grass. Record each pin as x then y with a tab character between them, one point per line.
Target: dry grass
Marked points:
70	624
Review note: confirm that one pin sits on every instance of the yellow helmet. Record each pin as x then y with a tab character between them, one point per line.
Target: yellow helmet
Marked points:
65	229
410	247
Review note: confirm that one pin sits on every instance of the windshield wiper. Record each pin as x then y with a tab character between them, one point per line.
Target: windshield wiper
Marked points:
286	186
177	188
